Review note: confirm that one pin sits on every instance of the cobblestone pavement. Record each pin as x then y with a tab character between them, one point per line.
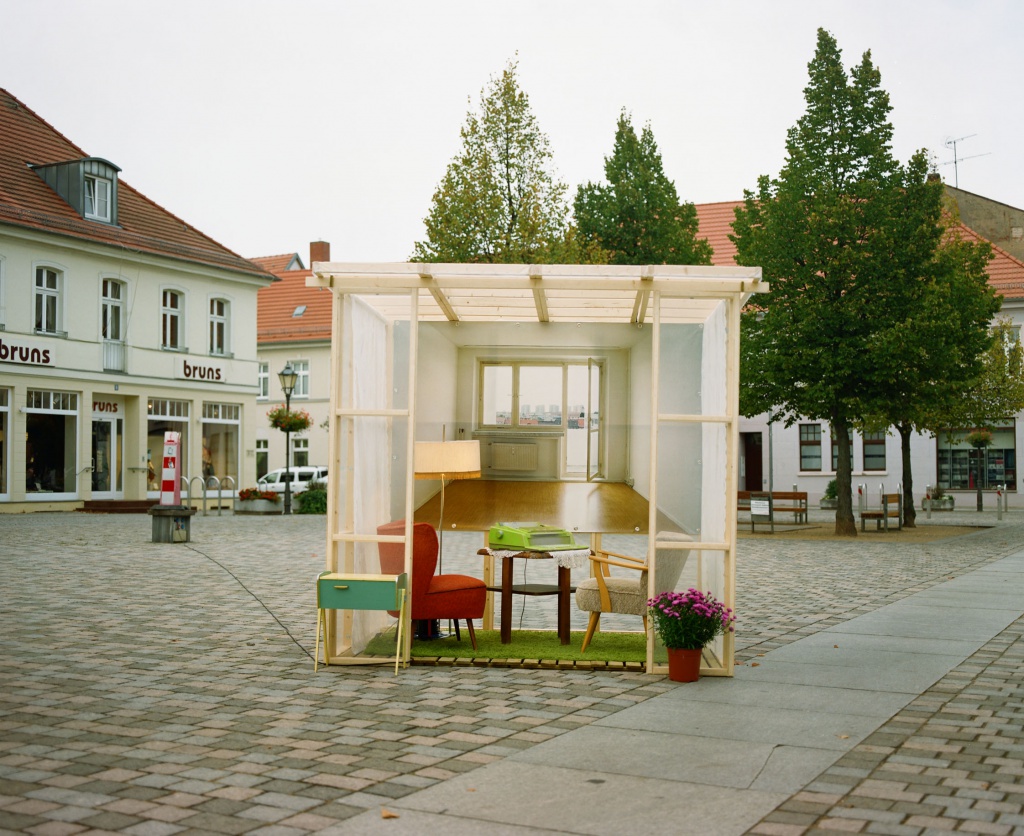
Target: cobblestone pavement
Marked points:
159	689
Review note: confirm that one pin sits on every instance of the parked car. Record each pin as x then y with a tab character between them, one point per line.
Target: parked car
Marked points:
299	477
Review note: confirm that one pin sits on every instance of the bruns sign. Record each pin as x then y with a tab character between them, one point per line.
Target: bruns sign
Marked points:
206	372
18	352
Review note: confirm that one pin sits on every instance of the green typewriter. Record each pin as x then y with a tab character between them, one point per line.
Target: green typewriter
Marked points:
530	536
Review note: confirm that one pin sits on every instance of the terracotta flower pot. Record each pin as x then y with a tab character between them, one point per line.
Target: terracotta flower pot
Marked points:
683	665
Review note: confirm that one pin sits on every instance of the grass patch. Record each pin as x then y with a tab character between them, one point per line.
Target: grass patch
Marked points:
526	644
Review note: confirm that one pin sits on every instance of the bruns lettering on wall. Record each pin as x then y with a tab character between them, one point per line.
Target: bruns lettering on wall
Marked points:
198	371
11	352
104	406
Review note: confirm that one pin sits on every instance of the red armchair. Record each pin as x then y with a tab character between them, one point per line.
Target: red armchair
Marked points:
433	596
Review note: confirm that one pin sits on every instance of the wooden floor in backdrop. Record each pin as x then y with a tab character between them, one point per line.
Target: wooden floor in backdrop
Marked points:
477	504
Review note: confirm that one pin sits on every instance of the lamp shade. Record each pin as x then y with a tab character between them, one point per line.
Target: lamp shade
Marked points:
447	459
288	377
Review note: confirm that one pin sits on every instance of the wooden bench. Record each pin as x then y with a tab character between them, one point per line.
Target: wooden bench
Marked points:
786	502
892	508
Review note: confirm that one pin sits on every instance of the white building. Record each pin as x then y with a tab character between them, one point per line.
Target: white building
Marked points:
293	325
118	322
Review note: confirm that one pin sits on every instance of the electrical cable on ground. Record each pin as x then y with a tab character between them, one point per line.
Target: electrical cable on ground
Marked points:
254	595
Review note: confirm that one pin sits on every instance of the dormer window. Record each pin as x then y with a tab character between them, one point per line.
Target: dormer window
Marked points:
89	185
97	198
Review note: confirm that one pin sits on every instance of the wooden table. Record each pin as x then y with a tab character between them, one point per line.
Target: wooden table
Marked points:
562	589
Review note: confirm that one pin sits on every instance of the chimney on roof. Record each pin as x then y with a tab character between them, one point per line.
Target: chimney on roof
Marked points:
933	176
319	251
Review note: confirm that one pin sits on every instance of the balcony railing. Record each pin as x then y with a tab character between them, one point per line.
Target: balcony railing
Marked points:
113	356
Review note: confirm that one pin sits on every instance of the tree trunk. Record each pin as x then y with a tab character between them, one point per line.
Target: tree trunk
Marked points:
909	511
845	524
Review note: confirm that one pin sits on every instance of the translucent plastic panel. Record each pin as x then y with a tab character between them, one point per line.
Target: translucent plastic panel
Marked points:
373	371
692	366
497	396
372	454
680	476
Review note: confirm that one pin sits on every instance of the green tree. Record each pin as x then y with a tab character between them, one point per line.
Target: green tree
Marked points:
825	232
637	217
499	200
940	335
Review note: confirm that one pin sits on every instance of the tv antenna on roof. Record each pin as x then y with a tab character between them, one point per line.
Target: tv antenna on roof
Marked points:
951	143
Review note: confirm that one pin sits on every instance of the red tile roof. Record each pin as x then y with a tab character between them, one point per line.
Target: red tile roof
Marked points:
1005	273
279	263
276	305
143	226
715	224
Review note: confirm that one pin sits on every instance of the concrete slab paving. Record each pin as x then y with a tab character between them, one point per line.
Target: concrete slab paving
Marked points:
590	801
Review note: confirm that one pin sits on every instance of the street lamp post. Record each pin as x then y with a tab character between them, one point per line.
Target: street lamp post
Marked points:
287	376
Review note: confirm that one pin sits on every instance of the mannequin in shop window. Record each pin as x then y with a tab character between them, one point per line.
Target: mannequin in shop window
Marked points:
31	480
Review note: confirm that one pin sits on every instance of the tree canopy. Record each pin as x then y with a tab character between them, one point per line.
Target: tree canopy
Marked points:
637	217
499	200
847	238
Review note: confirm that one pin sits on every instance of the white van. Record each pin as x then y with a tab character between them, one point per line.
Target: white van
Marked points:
300	477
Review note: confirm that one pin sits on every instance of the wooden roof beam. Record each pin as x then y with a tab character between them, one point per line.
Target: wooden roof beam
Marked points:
439	297
539	298
642	297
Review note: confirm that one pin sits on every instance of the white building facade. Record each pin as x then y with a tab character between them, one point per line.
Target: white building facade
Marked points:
118	323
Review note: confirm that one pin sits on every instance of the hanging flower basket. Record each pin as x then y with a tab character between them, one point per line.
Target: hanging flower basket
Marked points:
979	438
292	421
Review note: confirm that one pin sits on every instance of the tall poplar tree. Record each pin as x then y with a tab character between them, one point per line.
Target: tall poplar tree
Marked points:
499	200
637	218
827	232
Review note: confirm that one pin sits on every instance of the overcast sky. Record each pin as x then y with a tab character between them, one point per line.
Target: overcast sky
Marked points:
271	124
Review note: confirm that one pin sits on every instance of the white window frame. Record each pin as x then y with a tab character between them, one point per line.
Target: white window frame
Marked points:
300	445
219	326
169	313
109	304
57	402
3	291
97	194
6	396
301	378
263	382
42	293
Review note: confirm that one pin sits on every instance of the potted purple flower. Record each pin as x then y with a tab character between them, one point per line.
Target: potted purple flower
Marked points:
685	622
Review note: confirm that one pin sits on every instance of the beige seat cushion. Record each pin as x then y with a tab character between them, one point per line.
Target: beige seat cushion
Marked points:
626	594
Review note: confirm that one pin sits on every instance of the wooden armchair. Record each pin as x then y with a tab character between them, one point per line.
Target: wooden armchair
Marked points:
604	593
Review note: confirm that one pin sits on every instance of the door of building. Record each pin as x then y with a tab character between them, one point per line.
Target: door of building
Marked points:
752	477
107	479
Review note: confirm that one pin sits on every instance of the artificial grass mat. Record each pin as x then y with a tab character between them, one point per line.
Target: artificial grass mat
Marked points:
526	644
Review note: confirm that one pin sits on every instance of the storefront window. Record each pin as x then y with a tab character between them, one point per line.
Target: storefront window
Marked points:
165	416
51	442
960	466
5	434
221	423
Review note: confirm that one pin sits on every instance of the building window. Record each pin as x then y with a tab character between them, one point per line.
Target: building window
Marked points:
48	290
263	382
874	451
302	381
112	323
172	308
300	452
834	444
262	457
97	198
221	434
960	466
165	415
220	310
810	446
5	436
51	443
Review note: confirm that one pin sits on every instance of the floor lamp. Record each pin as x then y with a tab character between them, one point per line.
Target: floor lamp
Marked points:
446	460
